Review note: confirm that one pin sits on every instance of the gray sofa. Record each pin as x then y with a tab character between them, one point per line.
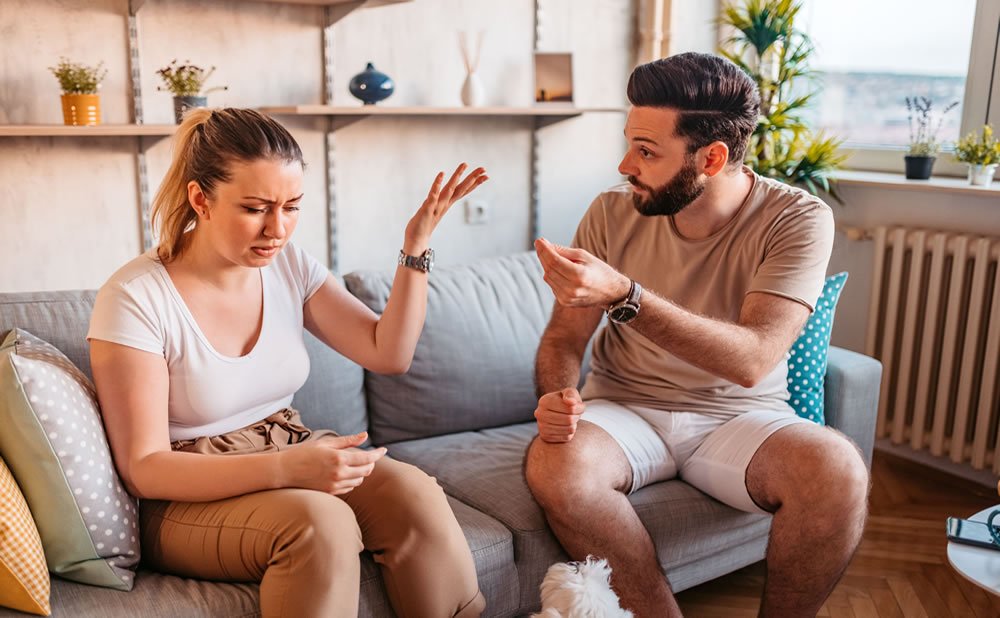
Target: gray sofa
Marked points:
463	413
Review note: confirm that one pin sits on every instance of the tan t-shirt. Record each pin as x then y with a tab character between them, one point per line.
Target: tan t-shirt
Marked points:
779	242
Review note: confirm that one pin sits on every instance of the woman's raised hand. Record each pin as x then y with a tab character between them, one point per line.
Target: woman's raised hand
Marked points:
439	200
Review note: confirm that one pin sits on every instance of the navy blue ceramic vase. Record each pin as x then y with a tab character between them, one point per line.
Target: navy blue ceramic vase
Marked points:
371	86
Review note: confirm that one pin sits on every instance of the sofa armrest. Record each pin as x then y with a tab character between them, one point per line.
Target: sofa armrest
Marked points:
851	401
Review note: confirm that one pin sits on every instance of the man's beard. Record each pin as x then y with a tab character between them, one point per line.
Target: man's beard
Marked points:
672	197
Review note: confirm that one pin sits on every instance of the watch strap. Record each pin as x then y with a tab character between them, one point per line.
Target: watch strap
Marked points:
420	262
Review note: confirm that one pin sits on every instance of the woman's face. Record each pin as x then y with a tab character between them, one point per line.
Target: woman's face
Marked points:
250	218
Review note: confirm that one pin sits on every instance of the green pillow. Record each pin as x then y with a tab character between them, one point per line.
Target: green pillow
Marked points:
807	357
53	442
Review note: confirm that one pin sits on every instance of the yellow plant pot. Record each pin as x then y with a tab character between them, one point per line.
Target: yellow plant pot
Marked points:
81	109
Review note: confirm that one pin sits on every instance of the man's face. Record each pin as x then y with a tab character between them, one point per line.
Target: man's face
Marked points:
664	176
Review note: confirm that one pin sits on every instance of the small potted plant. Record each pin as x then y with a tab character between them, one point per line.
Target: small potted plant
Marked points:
81	104
187	83
981	153
923	137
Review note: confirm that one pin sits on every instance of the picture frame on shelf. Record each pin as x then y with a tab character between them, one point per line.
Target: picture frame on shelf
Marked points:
553	78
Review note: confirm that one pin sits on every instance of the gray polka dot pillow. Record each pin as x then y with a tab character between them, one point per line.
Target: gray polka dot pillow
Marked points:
53	442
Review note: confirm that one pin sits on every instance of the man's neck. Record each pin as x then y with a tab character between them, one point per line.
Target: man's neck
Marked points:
721	200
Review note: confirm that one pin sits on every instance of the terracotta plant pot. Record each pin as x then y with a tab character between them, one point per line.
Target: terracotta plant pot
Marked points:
81	109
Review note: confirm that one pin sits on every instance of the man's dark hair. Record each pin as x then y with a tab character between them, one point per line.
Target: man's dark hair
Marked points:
717	101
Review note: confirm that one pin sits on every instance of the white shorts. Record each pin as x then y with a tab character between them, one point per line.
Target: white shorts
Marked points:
707	452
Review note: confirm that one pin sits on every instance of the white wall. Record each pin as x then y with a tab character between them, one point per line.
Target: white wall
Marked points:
693	26
68	206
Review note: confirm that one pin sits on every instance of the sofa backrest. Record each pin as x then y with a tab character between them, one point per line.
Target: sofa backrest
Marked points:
332	398
474	364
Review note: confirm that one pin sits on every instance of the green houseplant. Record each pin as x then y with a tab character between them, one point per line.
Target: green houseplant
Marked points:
920	156
187	83
80	83
772	51
981	153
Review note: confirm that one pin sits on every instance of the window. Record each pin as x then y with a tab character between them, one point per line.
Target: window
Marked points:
872	54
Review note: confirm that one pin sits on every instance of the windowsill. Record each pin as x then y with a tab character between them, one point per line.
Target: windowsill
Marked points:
898	181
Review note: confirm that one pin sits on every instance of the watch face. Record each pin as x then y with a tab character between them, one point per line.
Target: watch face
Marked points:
623	314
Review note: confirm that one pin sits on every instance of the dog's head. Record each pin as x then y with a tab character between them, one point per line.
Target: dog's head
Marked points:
580	590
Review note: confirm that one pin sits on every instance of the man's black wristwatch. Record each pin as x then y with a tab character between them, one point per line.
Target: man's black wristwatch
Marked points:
423	262
624	311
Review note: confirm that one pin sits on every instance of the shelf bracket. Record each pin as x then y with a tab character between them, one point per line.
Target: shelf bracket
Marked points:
333	248
142	181
330	16
537	123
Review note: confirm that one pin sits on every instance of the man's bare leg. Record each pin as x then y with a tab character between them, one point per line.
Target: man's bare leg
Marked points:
814	481
580	485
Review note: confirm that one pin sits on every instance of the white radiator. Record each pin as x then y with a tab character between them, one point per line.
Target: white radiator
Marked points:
934	322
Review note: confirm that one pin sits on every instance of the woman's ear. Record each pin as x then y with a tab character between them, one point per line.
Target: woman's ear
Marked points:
198	200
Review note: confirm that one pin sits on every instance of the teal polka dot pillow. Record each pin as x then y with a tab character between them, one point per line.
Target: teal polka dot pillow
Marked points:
807	357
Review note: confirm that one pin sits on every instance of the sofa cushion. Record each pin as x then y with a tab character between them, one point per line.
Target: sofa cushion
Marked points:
61	318
159	595
474	363
333	396
24	578
53	441
807	358
696	537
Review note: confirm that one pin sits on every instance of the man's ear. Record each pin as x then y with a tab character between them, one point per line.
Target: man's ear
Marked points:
198	199
715	158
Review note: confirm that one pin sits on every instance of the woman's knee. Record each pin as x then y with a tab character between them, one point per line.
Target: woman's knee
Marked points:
318	521
419	498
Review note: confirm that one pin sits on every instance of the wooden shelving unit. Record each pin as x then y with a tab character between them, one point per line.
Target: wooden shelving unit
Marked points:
364	4
101	130
375	110
335	116
341	116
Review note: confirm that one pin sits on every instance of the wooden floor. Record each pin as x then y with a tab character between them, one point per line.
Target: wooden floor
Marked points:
901	568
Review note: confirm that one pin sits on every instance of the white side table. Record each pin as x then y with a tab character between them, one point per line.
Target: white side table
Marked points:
979	565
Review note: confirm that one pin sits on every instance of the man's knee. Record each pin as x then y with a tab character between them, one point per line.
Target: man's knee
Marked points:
835	475
561	475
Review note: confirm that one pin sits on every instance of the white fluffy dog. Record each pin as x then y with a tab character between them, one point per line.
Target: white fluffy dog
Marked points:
580	590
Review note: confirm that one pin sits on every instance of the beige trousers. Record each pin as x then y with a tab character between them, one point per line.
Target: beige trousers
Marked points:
303	546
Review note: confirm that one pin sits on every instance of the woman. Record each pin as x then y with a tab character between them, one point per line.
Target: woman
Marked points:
197	350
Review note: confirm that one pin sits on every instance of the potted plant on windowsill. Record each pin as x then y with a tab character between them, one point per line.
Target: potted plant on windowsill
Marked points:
775	53
924	146
981	153
186	82
81	104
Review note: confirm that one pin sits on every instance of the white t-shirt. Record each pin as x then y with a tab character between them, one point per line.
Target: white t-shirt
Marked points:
212	394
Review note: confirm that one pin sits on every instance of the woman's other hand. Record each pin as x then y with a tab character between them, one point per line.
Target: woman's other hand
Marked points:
439	200
332	465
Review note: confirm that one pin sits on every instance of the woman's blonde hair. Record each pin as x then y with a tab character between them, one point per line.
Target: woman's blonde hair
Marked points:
205	145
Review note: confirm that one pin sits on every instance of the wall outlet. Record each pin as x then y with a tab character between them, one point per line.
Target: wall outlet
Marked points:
477	212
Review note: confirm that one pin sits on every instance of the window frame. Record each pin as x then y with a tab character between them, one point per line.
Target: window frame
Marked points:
980	103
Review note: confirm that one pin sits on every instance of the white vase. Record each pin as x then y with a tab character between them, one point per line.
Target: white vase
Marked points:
982	175
473	94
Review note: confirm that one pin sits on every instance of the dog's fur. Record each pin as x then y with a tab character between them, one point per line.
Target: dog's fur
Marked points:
580	590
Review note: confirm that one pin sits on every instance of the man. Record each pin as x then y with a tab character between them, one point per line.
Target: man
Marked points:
707	273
